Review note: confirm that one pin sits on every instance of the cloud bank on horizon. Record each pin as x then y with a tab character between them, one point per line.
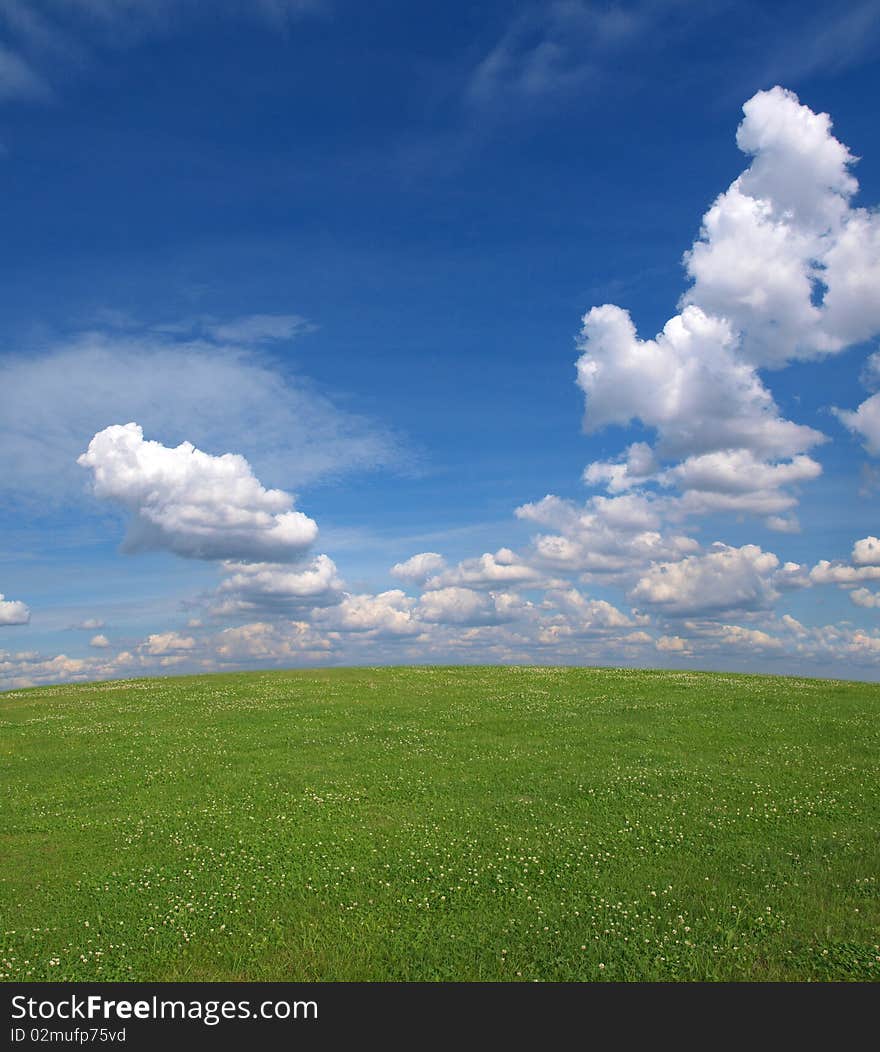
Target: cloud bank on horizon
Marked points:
785	269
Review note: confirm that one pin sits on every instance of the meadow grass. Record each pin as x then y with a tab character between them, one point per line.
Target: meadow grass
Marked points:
441	824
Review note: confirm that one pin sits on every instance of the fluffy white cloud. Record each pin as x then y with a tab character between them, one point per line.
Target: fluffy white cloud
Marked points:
784	268
736	480
261	641
638	466
726	578
673	645
184	387
250	586
100	642
505	567
782	253
865	598
465	606
826	572
388	614
13	612
29	668
418	568
710	409
161	643
568	614
615	535
688	383
864	422
191	503
866	552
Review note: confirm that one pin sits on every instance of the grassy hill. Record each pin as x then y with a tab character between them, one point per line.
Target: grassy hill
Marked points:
442	823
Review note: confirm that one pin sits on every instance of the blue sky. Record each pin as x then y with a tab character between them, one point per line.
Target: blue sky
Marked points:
354	245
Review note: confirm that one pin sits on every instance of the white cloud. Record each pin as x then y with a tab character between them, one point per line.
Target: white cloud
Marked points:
418	568
101	642
270	586
260	641
388	614
784	268
864	422
161	643
688	383
638	466
866	552
737	637
726	578
52	402
13	612
673	645
865	598
825	572
192	503
465	606
736	480
91	624
604	536
505	567
782	253
568	614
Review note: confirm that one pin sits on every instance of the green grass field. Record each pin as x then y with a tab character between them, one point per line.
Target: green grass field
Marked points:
442	824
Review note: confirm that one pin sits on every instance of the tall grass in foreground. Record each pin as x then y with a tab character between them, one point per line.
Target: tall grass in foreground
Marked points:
441	824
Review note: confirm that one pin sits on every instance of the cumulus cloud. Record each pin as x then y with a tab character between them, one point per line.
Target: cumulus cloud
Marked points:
866	552
711	412
100	642
865	598
504	567
388	614
192	503
180	387
864	422
271	586
13	612
784	268
737	480
261	641
465	606
161	643
418	568
827	572
782	253
91	624
688	383
569	614
673	645
609	536
726	578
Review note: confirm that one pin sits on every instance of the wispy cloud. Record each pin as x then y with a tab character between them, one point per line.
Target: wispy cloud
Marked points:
219	394
839	36
44	41
551	49
18	80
